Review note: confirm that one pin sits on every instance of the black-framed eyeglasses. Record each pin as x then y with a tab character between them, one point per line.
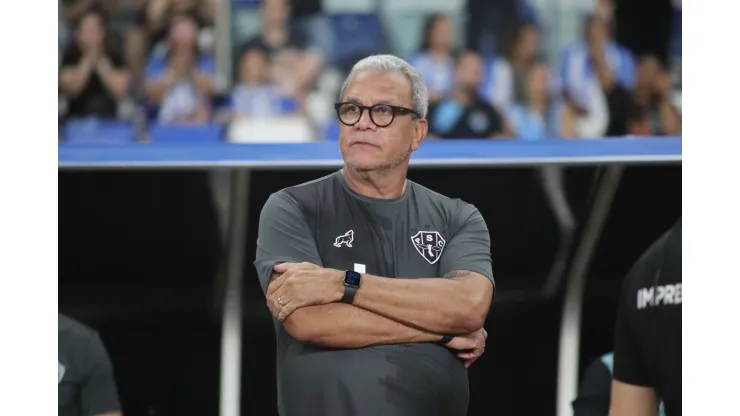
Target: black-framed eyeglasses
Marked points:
382	115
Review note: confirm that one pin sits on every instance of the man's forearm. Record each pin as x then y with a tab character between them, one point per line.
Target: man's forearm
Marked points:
338	325
457	304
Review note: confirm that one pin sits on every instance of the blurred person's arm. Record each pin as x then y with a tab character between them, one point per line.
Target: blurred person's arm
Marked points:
670	119
603	72
204	82
98	394
568	122
310	68
156	14
156	88
161	76
203	76
631	400
74	78
669	116
597	41
114	76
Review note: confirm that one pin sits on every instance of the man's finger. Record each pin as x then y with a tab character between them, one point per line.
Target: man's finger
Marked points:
466	355
284	267
469	362
279	282
286	310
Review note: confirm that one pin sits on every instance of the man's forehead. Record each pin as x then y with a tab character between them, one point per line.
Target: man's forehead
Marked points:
378	86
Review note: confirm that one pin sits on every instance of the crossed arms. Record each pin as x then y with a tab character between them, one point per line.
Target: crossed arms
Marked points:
305	296
384	310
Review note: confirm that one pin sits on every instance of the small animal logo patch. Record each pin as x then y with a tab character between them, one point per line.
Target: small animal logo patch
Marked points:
429	244
345	238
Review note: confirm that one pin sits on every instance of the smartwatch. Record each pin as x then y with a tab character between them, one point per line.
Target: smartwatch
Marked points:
352	282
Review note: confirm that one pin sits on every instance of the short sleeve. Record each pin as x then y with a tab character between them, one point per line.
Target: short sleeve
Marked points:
594	393
283	236
98	393
628	364
469	247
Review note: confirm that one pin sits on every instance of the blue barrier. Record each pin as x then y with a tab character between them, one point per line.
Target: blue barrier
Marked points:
326	154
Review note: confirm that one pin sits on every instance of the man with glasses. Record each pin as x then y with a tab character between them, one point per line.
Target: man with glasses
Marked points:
378	286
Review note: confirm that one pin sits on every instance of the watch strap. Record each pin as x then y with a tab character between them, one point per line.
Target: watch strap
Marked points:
349	294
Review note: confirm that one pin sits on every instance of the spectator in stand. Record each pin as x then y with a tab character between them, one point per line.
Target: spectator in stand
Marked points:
435	59
595	77
294	66
309	22
70	12
129	21
487	20
540	115
181	83
160	13
464	113
256	95
92	73
505	75
657	115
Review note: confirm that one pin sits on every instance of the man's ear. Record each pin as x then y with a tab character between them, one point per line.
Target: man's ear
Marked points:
420	132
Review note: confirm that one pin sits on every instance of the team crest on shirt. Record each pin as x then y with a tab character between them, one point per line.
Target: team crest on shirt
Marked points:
429	244
60	372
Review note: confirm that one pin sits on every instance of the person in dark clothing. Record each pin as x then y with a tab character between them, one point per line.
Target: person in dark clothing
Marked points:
464	113
594	393
647	353
92	73
378	287
85	374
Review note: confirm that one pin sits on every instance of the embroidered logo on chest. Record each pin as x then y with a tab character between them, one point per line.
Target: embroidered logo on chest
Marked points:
429	244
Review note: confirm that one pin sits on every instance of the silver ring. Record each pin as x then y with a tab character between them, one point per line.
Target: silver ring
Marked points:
280	301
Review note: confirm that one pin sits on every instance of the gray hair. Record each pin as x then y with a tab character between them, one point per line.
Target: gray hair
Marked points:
419	93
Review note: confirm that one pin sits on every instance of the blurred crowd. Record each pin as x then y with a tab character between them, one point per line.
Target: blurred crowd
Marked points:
162	62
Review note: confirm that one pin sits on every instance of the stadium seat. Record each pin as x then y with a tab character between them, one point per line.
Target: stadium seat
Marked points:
172	133
96	131
366	32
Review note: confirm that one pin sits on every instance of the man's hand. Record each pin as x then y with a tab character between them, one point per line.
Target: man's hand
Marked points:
469	347
302	284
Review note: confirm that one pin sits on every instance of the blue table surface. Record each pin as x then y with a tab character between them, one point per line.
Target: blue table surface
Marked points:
432	152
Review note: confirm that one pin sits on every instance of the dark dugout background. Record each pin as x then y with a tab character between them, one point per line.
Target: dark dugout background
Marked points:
139	253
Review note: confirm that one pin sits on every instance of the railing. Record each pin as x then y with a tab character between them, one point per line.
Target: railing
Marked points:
241	159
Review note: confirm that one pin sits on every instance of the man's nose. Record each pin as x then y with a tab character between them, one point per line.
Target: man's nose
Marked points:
365	122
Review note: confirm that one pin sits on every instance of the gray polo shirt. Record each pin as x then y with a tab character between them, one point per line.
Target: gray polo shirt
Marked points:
420	234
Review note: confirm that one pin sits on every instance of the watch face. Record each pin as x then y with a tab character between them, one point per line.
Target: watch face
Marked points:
352	278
